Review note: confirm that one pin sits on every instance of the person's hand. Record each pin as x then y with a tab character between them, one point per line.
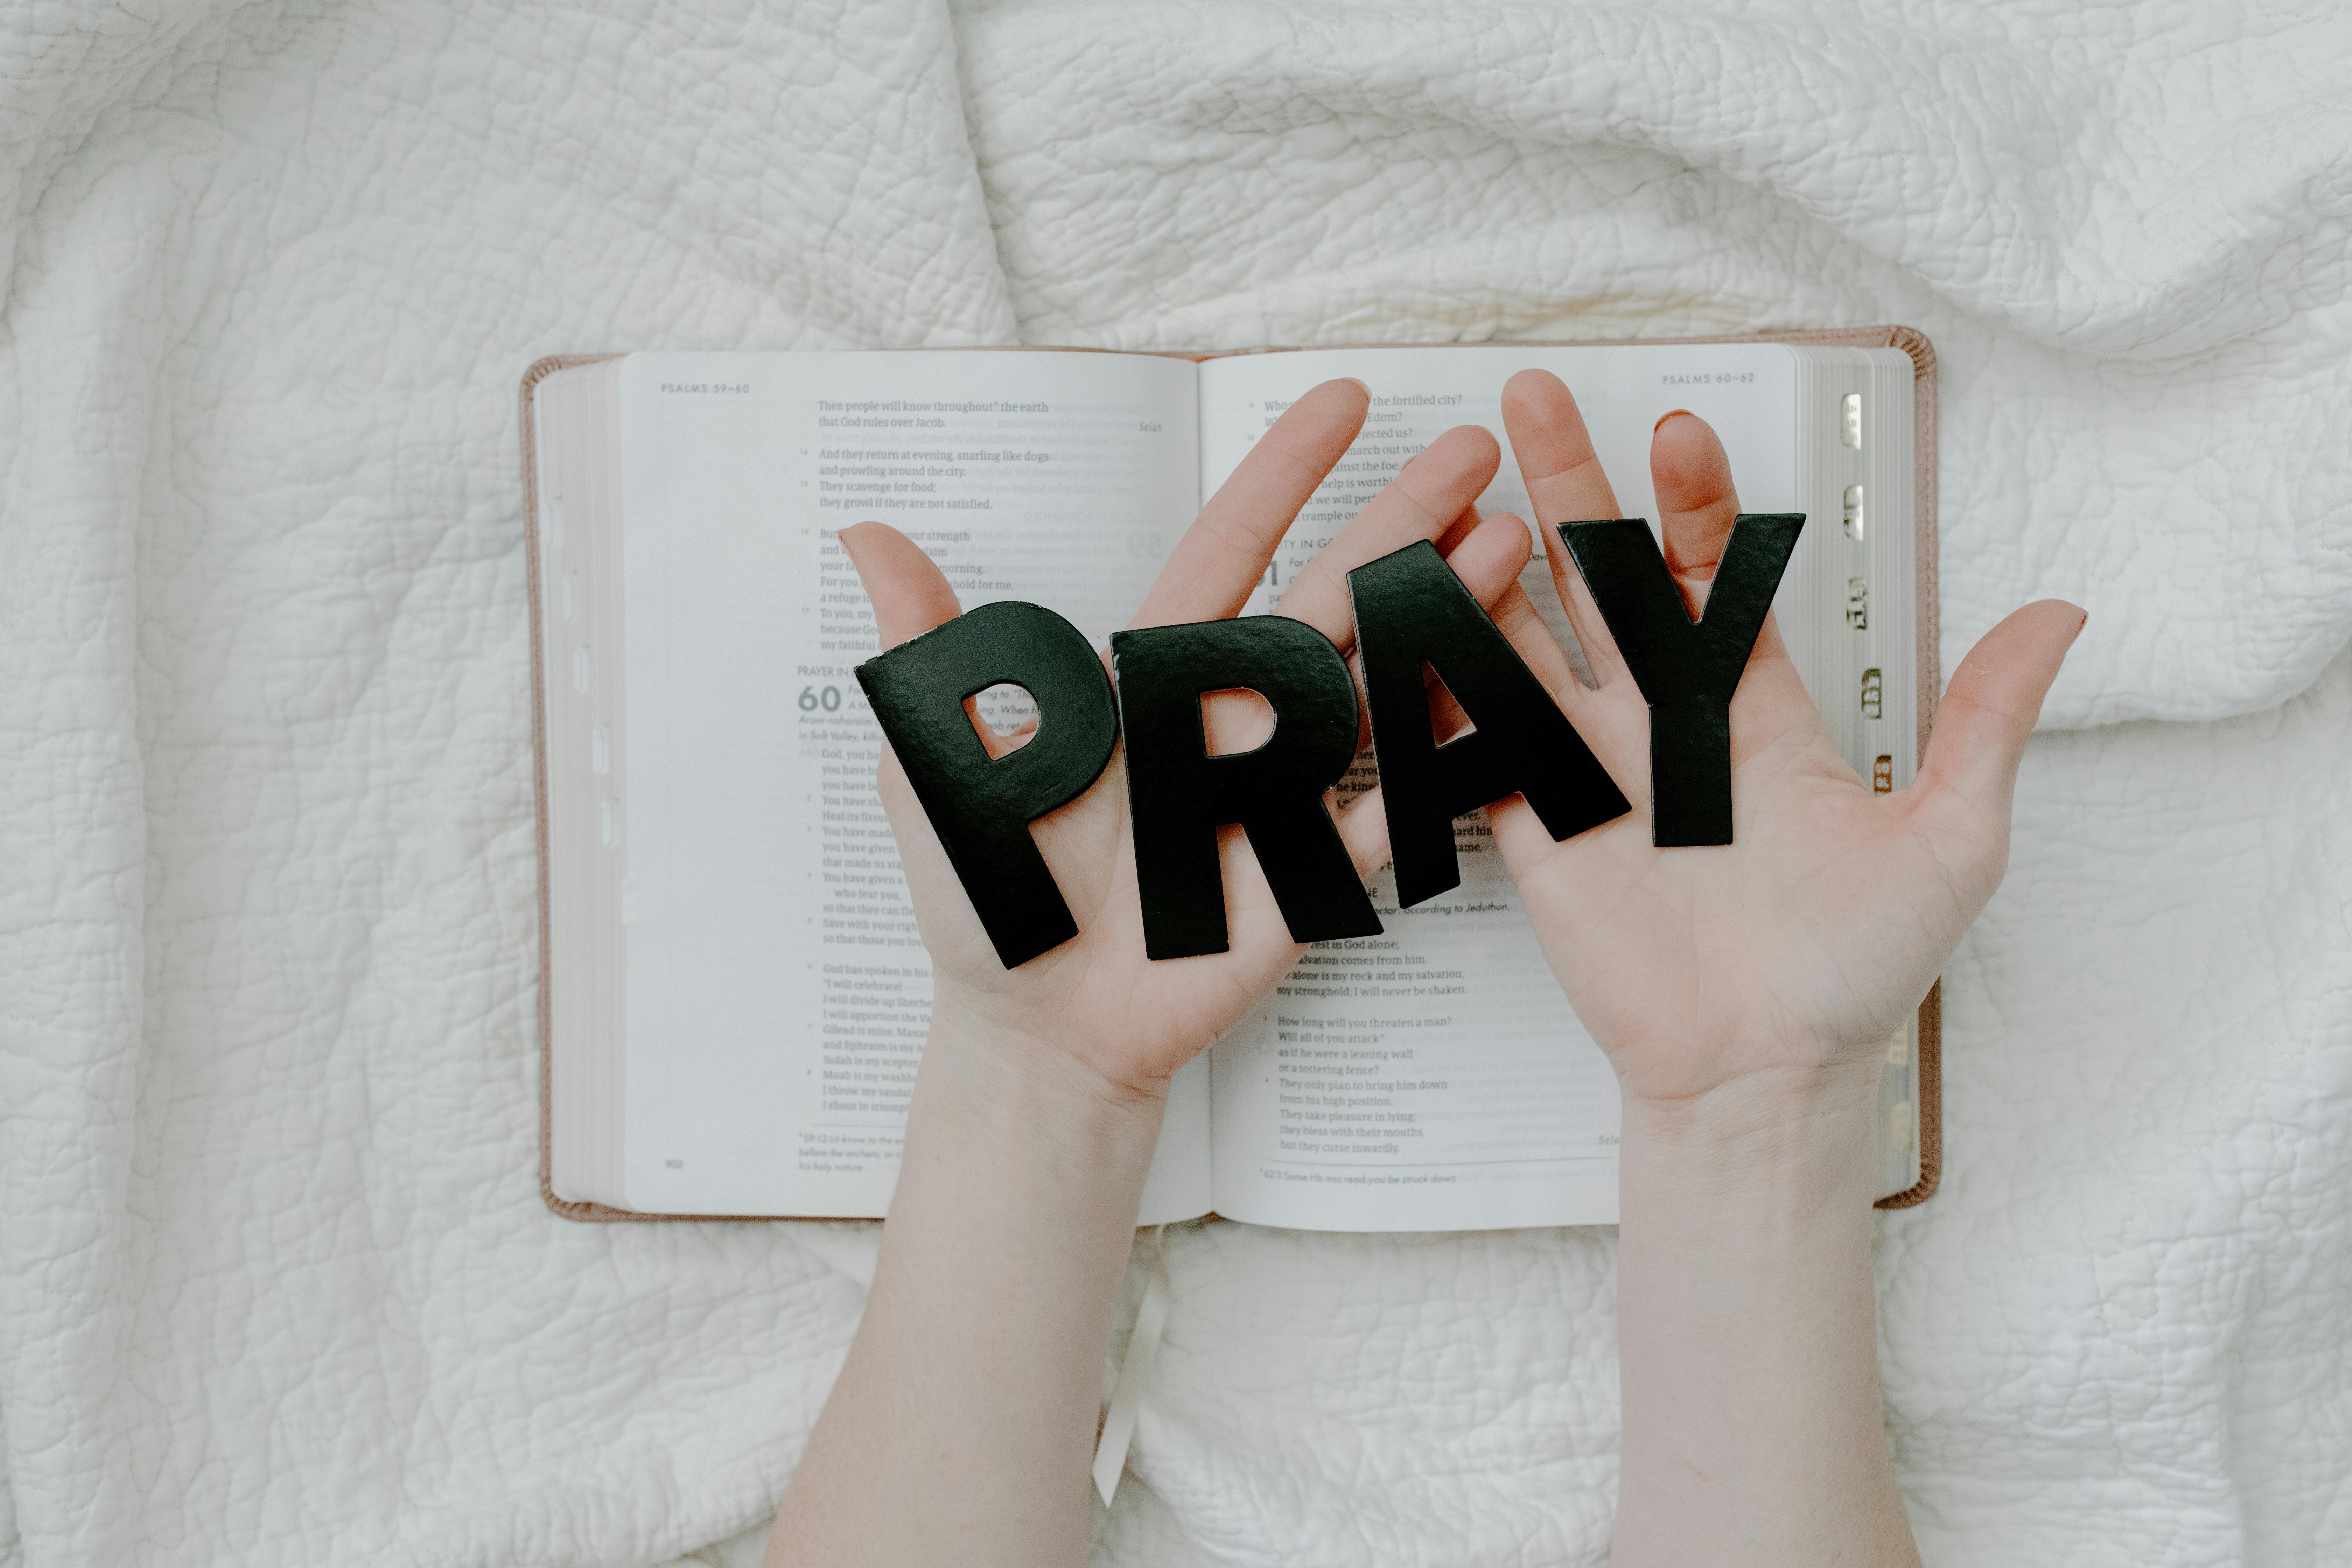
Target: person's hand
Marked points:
1097	998
975	1378
1789	957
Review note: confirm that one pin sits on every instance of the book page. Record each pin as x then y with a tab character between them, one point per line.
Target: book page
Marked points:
1433	1077
777	991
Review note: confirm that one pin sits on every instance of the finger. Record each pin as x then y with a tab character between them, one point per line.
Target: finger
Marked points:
910	592
1697	505
1617	734
1987	713
1696	502
1210	572
1364	828
1490	557
911	595
1619	739
1488	561
1423	501
1565	481
1460	528
1516	618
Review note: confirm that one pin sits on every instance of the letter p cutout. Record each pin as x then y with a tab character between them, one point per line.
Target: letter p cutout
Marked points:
980	806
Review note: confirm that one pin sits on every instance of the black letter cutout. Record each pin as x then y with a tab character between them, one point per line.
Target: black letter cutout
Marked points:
1180	795
980	806
1410	607
1686	669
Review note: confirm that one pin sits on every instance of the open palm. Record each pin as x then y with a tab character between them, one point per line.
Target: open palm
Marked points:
1798	949
1135	1021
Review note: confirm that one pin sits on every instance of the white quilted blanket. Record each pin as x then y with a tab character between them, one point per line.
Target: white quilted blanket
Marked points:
276	1286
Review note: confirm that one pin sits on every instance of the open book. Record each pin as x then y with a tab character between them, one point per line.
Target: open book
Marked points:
733	994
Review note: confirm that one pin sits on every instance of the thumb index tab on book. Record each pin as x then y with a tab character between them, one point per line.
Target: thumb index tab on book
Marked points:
1687	669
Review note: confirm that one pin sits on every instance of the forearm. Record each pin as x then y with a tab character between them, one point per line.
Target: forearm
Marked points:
962	1428
1747	1351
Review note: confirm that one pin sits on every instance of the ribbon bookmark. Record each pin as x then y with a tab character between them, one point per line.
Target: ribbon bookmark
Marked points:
1134	1371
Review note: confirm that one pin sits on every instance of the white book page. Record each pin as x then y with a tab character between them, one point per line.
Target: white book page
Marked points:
1433	1077
777	991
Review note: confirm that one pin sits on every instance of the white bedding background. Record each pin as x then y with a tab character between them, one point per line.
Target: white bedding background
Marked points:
276	1285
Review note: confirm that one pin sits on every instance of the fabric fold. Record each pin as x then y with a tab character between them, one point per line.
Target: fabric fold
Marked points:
276	1283
2126	238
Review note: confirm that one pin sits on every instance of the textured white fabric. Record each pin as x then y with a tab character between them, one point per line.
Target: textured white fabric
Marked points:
275	1283
2125	230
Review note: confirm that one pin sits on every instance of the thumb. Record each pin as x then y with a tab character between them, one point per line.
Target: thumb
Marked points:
911	594
1990	708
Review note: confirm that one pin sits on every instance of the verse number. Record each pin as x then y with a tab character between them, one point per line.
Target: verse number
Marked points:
814	698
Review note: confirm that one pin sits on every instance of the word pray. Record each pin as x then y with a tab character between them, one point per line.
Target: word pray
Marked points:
1410	610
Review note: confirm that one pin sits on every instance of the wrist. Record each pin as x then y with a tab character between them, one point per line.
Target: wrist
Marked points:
1745	1308
1033	1091
1796	1129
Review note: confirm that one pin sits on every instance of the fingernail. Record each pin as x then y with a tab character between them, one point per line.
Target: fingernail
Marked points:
1359	384
1669	413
